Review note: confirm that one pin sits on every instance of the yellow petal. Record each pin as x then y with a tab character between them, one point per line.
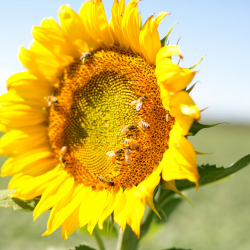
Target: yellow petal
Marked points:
132	212
11	97
172	76
116	22
102	26
30	88
168	52
86	207
16	179
87	14
179	161
70	224
99	205
59	216
40	64
136	217
149	38
131	27
56	43
53	222
184	110
17	141
74	29
53	194
4	128
146	188
33	187
40	158
28	80
114	199
20	115
120	210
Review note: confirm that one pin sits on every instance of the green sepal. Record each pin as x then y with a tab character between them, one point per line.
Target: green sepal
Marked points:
168	208
140	22
108	230
164	39
191	88
196	127
84	247
194	66
208	174
14	203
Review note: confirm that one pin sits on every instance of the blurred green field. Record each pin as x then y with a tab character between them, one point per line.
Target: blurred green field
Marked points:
220	219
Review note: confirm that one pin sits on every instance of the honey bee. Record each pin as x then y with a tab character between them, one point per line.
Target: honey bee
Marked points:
167	117
62	155
133	144
128	153
109	182
85	56
128	128
51	99
143	124
139	102
113	154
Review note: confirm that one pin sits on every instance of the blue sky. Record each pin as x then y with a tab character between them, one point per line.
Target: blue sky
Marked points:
218	29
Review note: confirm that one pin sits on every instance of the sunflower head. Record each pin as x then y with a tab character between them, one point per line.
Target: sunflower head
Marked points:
98	119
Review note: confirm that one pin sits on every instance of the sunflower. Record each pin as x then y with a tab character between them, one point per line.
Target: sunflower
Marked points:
98	119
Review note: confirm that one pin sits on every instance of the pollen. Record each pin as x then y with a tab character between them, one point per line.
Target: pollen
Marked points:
93	117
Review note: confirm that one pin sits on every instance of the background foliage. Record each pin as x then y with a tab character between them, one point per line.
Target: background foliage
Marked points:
220	219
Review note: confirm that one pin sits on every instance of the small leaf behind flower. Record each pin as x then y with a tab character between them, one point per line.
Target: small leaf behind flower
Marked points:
84	247
14	203
196	127
209	173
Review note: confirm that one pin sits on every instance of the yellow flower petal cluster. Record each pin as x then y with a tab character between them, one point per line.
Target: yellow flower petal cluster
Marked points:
24	115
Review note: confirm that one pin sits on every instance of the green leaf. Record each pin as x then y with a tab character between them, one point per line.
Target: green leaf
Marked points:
168	208
164	39
196	127
84	247
209	173
14	203
194	66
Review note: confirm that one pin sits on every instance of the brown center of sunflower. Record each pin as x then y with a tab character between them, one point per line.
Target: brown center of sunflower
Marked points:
107	124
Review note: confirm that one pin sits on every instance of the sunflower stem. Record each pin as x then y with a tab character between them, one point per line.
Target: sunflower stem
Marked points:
98	239
129	240
147	223
119	241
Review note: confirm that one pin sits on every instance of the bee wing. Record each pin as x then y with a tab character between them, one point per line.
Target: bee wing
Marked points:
138	106
126	141
133	102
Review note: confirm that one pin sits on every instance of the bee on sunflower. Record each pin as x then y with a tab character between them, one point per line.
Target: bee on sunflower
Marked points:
99	118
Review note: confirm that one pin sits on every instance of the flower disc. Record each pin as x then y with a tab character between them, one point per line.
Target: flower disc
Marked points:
94	105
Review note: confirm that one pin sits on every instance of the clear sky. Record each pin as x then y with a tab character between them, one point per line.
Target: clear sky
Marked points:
218	29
